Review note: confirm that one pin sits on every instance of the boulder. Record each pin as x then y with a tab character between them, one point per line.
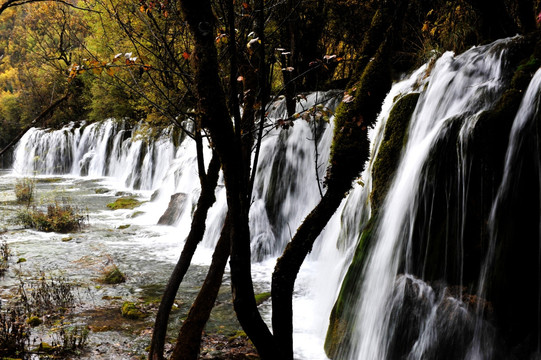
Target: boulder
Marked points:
174	210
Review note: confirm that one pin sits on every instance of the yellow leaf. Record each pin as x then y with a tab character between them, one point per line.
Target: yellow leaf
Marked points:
425	27
433	31
111	71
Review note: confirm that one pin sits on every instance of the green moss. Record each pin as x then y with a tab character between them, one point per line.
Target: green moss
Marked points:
21	260
524	73
122	227
131	311
44	347
33	321
136	214
49	180
340	327
391	147
356	113
261	298
124	203
112	275
236	335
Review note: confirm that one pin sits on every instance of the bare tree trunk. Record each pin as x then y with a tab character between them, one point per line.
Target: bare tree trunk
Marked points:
189	337
197	230
216	118
350	151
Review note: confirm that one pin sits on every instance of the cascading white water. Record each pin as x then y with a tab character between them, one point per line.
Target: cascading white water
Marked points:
112	149
322	274
466	84
522	126
286	189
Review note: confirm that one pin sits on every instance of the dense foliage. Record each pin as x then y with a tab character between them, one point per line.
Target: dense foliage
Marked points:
129	59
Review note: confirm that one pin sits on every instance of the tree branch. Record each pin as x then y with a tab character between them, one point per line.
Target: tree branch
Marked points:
37	120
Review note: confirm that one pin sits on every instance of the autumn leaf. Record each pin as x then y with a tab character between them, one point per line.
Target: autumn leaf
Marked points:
111	71
185	55
348	98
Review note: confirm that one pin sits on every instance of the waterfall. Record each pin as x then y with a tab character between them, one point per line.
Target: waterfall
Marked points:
459	89
285	190
443	249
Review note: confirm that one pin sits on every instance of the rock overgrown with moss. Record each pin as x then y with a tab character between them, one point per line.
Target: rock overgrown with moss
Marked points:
131	311
124	203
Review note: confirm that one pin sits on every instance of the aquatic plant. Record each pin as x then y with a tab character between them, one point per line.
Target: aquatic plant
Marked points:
58	218
24	190
4	257
14	331
48	295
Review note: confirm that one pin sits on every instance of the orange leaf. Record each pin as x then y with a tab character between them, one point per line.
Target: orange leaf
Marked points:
185	55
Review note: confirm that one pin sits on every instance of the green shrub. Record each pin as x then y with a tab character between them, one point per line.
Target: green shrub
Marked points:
58	218
24	190
4	257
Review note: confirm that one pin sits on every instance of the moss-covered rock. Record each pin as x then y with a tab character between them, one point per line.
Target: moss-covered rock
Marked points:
340	327
131	311
389	153
124	203
112	275
262	297
34	321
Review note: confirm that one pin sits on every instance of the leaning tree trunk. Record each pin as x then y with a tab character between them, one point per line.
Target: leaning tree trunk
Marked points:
40	118
197	230
189	337
350	150
216	118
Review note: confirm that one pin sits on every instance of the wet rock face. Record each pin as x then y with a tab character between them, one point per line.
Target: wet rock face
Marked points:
174	210
433	321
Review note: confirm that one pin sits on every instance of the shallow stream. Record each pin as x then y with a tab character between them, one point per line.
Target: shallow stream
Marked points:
144	252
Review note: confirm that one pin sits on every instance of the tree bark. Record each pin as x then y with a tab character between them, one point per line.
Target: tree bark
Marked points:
189	338
215	116
197	230
350	151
